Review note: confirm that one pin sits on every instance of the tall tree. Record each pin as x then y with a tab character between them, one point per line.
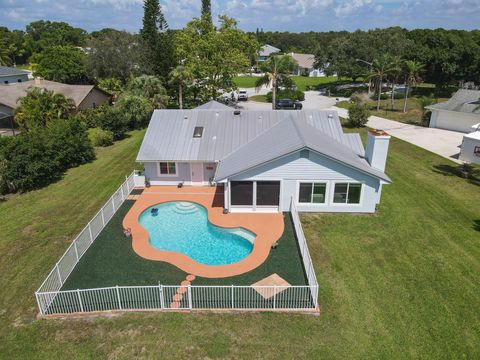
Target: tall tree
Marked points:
180	76
157	39
413	70
207	10
381	67
276	68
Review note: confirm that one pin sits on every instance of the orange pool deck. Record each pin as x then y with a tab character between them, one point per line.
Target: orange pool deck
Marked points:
267	227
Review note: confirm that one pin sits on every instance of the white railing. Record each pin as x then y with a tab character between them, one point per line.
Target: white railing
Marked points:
51	300
190	297
63	268
307	260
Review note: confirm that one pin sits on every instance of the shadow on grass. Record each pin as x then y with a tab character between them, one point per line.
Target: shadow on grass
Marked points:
476	225
467	172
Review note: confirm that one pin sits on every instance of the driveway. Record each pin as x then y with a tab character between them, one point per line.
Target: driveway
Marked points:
445	143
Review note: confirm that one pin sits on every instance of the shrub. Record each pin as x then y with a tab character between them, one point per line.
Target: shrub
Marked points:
36	158
113	120
287	94
358	112
90	117
100	137
136	109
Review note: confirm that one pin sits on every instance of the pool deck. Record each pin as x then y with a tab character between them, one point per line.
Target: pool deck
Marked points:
268	228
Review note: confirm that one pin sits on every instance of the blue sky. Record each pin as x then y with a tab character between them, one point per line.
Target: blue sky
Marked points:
288	15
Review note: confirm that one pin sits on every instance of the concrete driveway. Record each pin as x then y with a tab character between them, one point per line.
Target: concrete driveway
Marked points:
445	143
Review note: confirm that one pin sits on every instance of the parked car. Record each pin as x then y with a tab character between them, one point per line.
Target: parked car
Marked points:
242	95
288	104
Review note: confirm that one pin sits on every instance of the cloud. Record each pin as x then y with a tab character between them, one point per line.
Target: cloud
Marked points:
351	6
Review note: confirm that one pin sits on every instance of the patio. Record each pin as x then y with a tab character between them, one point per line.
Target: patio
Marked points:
267	227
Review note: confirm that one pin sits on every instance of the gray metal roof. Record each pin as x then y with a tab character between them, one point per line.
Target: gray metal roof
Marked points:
170	133
460	101
213	105
287	136
11	71
267	50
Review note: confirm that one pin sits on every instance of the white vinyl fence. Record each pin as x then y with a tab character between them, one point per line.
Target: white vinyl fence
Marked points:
162	297
307	260
56	278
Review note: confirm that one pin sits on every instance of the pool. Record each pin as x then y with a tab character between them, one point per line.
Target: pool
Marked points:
183	227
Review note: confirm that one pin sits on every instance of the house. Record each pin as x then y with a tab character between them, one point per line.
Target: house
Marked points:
470	150
84	96
306	65
266	51
260	160
10	75
459	113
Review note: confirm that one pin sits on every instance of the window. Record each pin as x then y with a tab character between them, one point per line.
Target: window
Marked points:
241	193
347	193
167	168
268	193
312	193
198	132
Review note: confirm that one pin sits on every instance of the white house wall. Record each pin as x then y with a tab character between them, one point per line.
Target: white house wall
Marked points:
453	120
468	150
183	173
292	169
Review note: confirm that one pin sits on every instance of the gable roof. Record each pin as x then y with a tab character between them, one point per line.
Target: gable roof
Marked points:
213	105
267	50
288	136
9	94
306	61
461	101
11	71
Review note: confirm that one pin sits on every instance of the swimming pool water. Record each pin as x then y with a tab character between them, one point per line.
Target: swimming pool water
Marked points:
184	227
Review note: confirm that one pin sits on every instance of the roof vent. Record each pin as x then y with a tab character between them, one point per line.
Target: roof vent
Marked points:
236	112
330	116
217	114
198	132
185	117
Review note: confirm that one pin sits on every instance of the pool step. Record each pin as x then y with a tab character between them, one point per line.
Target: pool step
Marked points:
185	208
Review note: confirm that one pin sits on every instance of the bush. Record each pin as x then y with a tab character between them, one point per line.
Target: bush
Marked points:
90	117
136	109
99	137
287	94
398	96
36	158
114	121
358	112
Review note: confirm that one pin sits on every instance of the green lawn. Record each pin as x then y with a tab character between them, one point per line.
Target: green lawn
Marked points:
301	81
413	115
259	98
403	283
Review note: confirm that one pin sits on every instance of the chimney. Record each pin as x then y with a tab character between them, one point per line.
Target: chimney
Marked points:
377	149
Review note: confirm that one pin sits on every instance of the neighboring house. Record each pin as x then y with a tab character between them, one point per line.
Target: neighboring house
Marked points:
11	75
263	159
266	51
84	96
306	65
458	113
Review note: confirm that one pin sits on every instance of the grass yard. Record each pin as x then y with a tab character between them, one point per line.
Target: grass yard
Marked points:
412	116
259	98
403	283
301	81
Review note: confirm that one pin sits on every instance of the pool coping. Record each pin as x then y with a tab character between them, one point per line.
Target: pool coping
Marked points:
268	228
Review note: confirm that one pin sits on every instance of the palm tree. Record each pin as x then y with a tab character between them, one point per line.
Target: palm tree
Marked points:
40	107
276	68
413	70
4	54
180	76
381	67
395	71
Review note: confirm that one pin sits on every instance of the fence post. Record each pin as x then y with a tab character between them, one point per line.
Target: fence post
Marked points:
80	301
189	288
162	298
58	273
90	232
40	307
76	250
118	297
274	297
233	296
103	217
113	204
